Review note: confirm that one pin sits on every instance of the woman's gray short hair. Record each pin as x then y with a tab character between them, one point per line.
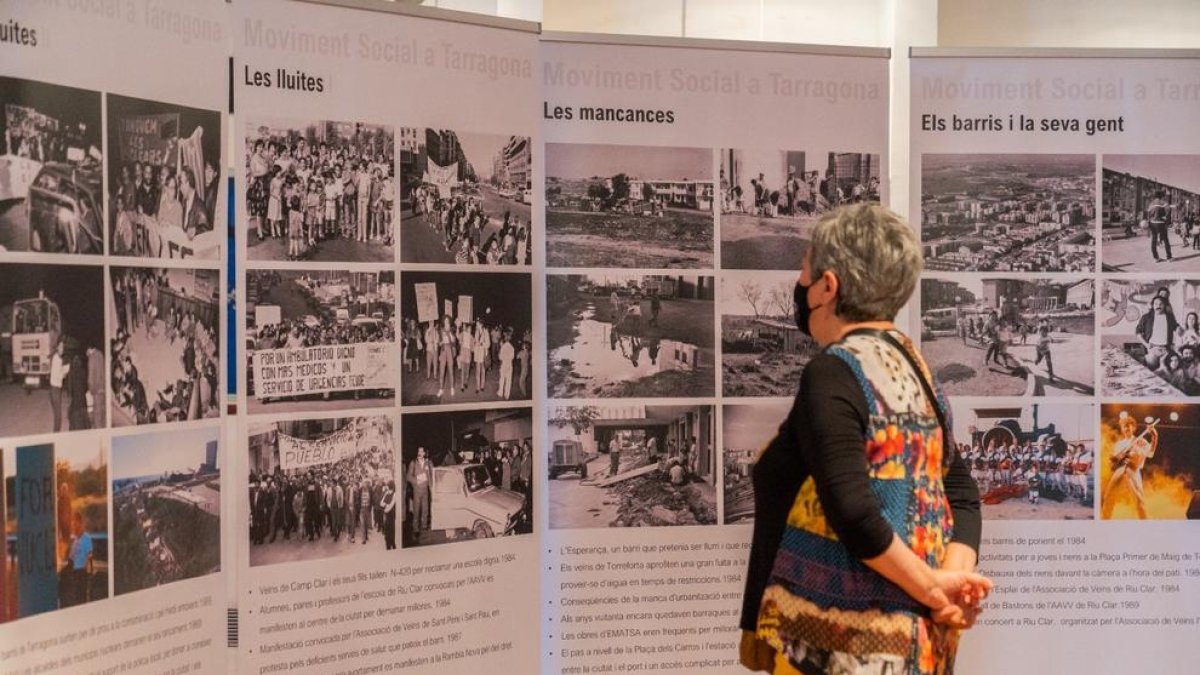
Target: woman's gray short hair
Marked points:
875	256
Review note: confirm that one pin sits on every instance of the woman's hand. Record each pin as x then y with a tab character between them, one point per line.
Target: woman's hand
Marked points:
956	596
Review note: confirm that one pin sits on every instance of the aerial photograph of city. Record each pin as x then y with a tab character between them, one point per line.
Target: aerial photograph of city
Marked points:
1008	213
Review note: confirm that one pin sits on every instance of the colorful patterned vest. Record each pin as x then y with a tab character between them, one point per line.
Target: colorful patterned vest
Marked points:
820	597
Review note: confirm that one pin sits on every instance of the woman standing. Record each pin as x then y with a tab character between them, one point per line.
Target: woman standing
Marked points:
857	483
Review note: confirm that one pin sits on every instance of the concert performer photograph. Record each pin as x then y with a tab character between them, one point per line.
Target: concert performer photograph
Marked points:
835	489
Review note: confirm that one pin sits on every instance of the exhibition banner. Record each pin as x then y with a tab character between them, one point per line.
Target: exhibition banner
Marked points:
380	150
1057	195
682	179
111	350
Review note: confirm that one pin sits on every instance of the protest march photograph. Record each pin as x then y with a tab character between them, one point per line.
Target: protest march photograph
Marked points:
762	350
1149	466
56	525
468	474
1150	338
319	190
1008	213
164	180
52	364
629	206
623	334
1030	461
746	429
165	346
51	169
320	339
770	199
166	489
632	465
321	488
1010	337
466	337
1150	210
466	197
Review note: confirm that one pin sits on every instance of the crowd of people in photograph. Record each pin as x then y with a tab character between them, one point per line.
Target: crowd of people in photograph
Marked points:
80	374
458	355
304	195
461	222
141	307
630	333
1160	219
151	198
346	499
1030	469
802	194
1172	349
996	334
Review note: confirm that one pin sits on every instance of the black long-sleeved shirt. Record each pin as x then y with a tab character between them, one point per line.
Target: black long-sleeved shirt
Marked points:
823	436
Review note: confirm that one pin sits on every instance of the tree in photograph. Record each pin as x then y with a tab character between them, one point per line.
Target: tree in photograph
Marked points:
752	293
599	191
647	192
580	418
779	299
620	187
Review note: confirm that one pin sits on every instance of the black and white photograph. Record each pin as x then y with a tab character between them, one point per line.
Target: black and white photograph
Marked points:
51	169
1010	337
164	180
629	206
467	475
746	429
52	364
762	350
770	199
165	345
1150	338
632	465
1150	213
1008	213
1031	462
320	339
465	197
166	494
55	525
321	488
466	337
623	334
320	190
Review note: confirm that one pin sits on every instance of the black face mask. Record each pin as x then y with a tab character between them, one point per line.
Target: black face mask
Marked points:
803	311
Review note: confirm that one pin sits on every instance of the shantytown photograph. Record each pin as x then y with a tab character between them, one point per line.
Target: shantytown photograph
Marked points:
746	429
762	350
1150	338
623	334
321	488
770	200
319	190
52	363
51	169
1010	337
468	474
1150	213
166	490
1030	461
466	197
1008	213
631	464
320	339
629	206
164	180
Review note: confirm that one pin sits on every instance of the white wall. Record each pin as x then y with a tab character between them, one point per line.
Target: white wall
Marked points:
1069	23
